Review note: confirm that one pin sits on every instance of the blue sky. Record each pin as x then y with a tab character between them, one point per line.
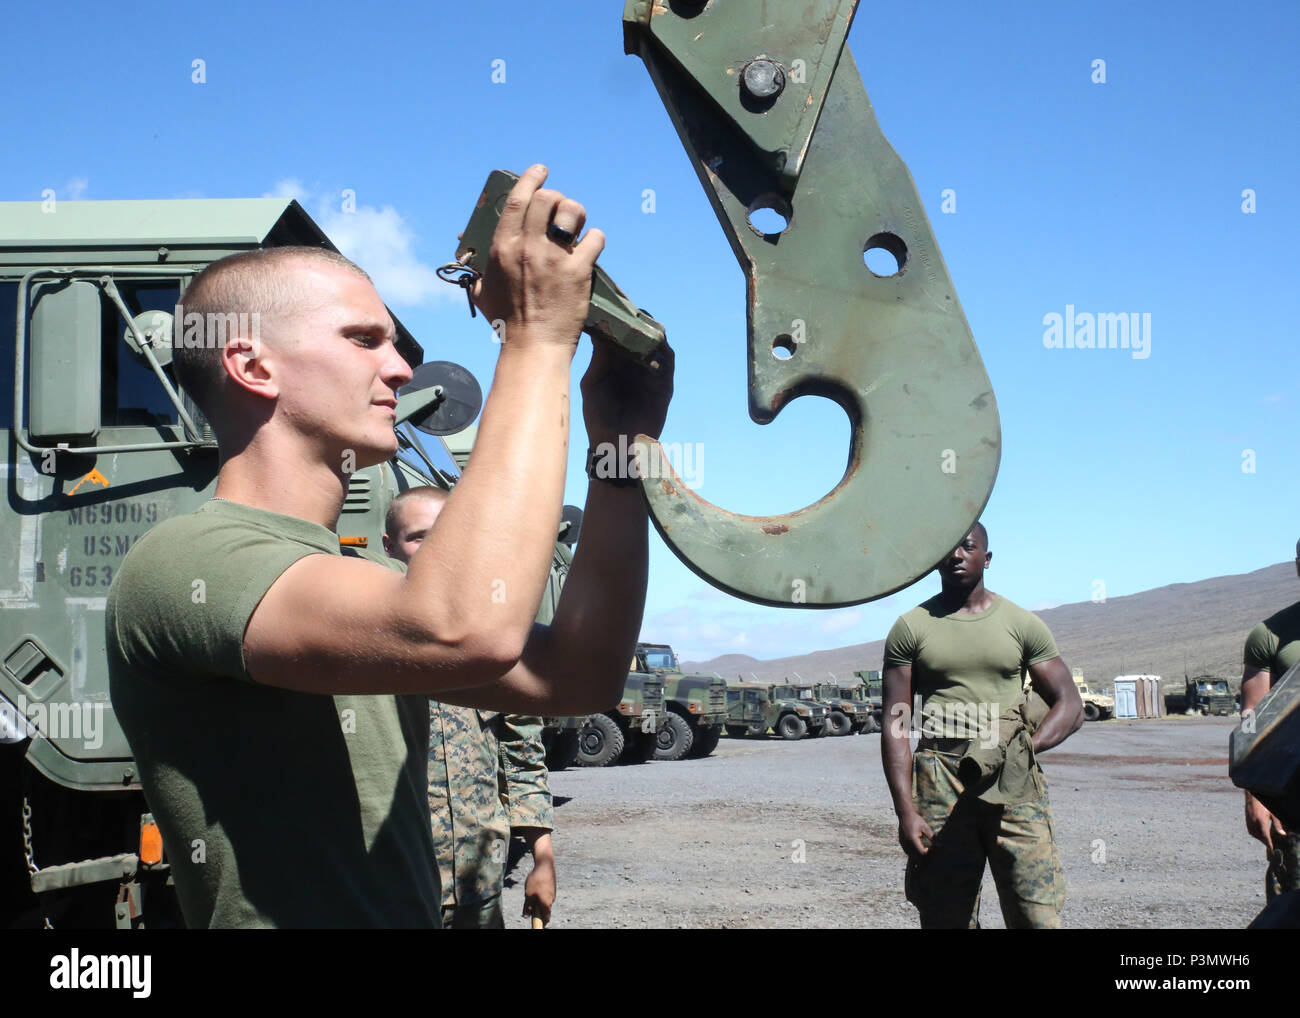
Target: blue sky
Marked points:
1122	196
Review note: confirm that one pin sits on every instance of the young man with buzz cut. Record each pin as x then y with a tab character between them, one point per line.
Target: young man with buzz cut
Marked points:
274	689
973	792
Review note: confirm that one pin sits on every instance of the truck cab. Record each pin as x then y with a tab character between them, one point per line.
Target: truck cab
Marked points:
695	705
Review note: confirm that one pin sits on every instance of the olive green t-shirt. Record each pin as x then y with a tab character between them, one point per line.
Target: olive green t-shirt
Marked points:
1274	644
277	808
967	668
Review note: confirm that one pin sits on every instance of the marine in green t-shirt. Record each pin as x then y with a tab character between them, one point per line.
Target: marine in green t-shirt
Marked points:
268	684
973	791
1272	649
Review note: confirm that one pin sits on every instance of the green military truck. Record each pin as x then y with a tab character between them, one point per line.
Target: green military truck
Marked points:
754	708
1209	694
873	691
629	733
850	712
561	738
101	444
695	705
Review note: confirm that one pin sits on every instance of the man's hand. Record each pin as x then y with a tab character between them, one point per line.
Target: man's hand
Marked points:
623	397
539	288
539	887
1261	824
914	833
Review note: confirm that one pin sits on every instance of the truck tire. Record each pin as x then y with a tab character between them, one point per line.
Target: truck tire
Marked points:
640	748
706	741
817	731
675	739
870	725
563	751
757	729
736	731
791	727
1091	712
600	742
839	724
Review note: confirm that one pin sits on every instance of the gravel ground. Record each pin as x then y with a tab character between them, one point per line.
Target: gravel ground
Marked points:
767	833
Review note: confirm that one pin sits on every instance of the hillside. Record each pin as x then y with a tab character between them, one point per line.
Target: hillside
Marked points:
1201	624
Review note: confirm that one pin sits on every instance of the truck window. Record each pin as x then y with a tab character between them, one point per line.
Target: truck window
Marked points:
131	394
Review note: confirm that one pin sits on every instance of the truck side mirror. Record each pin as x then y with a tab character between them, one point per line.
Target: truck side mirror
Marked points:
64	361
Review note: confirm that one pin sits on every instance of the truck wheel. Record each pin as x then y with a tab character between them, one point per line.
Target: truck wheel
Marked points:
1091	712
674	739
817	731
791	727
757	729
640	748
839	724
736	731
870	725
706	741
600	742
563	751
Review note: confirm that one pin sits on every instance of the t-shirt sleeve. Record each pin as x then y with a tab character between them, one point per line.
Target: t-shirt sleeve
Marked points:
183	598
1261	648
900	645
1036	641
523	761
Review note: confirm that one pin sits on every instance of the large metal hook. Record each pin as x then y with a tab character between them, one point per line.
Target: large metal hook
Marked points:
770	107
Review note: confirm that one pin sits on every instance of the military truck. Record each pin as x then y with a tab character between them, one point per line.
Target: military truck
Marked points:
695	705
755	707
873	691
1096	706
1209	694
101	444
864	711
847	716
630	732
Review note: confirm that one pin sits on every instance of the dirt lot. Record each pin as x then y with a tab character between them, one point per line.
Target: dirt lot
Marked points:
1149	827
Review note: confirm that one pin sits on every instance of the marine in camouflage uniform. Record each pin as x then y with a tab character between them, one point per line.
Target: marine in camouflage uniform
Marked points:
487	776
487	773
973	792
1272	648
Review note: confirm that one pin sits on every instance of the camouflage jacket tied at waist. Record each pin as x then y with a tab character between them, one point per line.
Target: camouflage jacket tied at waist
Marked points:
487	774
1001	773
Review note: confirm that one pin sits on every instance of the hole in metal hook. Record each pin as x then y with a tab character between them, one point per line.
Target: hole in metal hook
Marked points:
783	347
885	255
769	215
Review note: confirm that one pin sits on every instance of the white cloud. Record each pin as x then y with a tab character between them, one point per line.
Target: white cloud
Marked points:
75	188
378	239
839	622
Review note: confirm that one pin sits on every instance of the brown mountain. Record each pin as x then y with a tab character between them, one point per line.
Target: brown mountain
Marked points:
1199	625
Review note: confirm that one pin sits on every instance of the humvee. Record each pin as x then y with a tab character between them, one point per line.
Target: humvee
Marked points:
755	707
1096	706
848	716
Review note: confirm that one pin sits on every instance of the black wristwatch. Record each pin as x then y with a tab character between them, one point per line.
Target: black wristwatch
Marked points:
625	477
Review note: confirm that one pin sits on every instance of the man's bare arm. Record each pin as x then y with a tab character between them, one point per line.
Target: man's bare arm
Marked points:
896	755
1054	683
463	612
1260	823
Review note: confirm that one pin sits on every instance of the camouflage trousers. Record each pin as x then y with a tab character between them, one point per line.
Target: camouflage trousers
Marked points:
1016	841
1283	866
474	915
